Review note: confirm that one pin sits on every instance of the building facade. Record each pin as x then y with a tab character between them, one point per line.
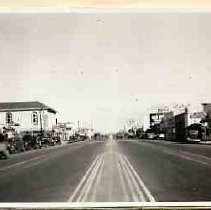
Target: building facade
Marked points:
168	126
27	116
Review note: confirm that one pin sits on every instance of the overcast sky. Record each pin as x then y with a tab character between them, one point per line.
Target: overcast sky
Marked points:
105	67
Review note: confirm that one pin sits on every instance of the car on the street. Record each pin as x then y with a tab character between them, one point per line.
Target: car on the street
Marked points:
161	136
119	135
15	145
150	135
97	136
139	133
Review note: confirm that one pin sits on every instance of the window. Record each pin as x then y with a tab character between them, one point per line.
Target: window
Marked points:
8	117
35	118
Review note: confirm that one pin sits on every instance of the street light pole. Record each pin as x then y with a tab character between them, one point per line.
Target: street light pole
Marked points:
78	126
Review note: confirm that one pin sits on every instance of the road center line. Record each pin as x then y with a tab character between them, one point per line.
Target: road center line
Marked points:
145	189
128	179
126	197
89	183
83	180
97	182
136	189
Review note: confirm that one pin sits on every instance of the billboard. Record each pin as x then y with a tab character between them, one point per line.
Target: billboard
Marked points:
155	118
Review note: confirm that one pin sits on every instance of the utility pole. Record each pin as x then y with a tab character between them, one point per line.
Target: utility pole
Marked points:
41	127
92	126
78	126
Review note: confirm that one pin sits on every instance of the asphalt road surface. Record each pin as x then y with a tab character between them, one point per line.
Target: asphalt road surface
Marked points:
109	171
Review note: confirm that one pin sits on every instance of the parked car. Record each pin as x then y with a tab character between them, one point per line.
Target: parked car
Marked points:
54	140
45	141
72	139
161	136
139	133
57	140
29	141
97	136
131	134
119	135
150	135
15	145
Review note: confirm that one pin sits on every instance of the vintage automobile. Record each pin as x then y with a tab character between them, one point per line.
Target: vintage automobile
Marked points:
15	145
139	133
195	133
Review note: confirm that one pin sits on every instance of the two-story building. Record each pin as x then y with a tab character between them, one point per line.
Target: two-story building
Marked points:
27	116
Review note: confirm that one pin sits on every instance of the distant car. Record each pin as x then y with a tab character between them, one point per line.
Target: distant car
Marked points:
72	138
97	136
161	136
150	135
139	133
119	135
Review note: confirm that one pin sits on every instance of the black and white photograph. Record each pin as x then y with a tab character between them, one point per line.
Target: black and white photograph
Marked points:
105	106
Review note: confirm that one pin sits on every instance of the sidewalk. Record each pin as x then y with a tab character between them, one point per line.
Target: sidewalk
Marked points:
205	142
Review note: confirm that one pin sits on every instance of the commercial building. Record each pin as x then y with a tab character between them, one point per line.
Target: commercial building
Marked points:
64	130
158	121
27	116
186	124
167	126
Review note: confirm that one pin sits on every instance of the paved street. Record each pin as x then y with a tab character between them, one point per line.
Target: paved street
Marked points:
125	170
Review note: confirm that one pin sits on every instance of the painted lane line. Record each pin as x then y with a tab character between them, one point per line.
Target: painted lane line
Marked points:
126	197
145	189
83	180
89	183
93	198
82	189
139	193
128	181
136	186
138	182
111	189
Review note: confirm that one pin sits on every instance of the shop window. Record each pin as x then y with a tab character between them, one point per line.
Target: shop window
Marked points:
35	118
8	117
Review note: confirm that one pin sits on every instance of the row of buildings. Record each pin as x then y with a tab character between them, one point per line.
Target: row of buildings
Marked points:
183	124
33	117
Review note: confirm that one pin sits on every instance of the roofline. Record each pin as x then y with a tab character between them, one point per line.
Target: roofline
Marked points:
160	113
29	109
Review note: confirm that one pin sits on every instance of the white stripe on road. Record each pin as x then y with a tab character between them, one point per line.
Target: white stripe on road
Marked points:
89	183
126	197
136	192
83	180
128	180
141	183
132	185
93	198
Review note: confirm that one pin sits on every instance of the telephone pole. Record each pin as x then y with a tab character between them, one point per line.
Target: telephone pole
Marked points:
78	126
